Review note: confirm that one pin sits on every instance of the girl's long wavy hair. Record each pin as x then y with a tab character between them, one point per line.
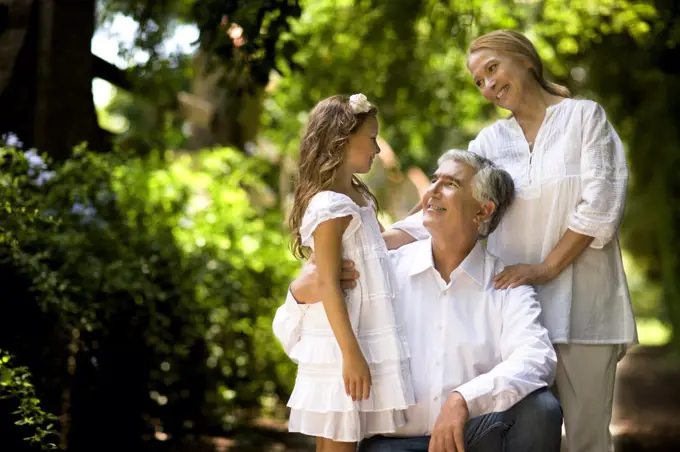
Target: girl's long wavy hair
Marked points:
322	153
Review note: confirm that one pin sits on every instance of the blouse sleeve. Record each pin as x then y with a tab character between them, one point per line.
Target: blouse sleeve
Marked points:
604	179
475	146
325	206
413	226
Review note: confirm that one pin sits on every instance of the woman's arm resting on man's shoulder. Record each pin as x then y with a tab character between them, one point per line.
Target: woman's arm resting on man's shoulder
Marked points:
396	238
406	231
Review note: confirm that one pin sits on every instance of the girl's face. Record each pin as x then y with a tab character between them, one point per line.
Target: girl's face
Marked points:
501	78
363	147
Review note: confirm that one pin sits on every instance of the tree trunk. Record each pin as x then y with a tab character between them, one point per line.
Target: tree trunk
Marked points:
217	111
17	69
47	96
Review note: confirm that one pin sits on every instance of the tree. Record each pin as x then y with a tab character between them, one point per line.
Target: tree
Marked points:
222	91
45	84
42	98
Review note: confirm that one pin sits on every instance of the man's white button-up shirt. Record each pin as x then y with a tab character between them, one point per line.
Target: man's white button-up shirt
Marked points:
463	336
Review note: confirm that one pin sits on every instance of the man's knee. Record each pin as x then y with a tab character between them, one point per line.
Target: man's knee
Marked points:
540	408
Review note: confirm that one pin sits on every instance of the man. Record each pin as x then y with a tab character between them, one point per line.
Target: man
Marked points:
480	360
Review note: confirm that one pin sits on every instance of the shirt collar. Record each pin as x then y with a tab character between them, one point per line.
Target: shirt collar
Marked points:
472	265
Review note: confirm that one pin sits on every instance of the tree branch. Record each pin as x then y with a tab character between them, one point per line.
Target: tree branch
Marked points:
111	73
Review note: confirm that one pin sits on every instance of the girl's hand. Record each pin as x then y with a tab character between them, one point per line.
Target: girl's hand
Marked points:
356	375
523	274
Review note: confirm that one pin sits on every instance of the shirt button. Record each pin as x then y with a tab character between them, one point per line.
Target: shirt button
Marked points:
436	398
436	363
440	327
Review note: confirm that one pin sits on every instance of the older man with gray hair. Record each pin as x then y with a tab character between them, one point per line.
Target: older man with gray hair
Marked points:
480	360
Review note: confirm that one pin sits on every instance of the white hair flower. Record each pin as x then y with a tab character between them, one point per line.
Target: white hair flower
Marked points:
359	103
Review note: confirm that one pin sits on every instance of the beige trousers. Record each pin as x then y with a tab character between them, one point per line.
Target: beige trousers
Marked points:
585	387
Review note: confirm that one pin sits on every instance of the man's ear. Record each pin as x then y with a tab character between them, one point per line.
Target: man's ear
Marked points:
486	209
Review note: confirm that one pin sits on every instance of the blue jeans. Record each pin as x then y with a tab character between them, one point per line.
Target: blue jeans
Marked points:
533	425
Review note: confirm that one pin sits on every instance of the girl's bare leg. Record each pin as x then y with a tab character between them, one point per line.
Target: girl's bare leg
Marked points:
328	445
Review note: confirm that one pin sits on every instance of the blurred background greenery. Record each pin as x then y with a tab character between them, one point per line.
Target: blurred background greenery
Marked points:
149	150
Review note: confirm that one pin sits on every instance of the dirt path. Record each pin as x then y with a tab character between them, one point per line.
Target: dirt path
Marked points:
647	401
646	415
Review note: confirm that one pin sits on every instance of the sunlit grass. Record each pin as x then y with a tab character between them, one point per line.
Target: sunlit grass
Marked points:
652	331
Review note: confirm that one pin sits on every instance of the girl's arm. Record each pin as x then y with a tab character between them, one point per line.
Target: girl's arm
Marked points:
328	250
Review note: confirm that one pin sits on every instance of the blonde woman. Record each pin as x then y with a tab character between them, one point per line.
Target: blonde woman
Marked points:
560	235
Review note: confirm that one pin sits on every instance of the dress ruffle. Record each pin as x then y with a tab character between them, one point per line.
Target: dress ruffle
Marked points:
321	392
347	427
377	348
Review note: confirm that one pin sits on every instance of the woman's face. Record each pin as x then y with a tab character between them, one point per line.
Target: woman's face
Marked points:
501	78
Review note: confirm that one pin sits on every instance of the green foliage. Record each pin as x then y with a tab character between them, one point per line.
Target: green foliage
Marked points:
15	383
161	276
151	115
263	24
409	57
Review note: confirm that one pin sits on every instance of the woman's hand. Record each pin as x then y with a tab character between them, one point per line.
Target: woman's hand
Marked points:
305	288
523	274
356	375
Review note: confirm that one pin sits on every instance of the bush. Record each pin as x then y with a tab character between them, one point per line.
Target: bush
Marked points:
142	290
15	385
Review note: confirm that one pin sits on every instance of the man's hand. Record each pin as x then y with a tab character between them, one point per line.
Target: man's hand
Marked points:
447	435
305	288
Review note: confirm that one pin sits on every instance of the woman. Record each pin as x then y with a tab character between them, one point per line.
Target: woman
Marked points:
560	235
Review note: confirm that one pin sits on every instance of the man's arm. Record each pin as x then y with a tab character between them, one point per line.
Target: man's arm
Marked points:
287	322
529	360
304	290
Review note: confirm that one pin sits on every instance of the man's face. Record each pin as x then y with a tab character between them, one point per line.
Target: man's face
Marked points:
448	204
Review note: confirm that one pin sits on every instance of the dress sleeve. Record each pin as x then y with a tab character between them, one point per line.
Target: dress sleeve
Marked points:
604	179
325	206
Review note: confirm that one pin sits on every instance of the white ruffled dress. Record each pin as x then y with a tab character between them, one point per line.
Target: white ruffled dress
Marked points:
319	405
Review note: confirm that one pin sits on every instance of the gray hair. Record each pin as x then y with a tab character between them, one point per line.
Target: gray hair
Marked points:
490	183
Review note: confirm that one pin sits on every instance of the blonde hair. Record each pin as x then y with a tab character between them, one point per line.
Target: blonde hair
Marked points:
322	153
514	43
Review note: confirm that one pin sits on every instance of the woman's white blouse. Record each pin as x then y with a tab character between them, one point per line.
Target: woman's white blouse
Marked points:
576	179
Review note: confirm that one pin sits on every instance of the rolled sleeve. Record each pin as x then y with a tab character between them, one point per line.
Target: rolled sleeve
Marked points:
287	322
604	179
529	359
413	226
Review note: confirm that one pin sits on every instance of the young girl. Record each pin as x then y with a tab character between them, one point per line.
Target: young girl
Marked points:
353	378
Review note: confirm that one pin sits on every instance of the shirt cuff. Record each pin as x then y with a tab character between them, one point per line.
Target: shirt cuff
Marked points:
294	307
287	322
476	397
